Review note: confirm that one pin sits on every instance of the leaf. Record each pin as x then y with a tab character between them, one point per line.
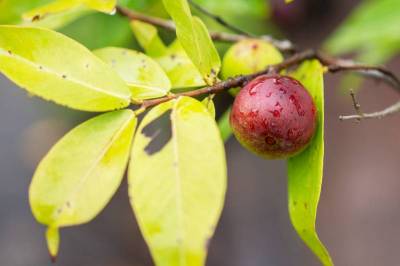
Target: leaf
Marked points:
11	10
148	38
194	37
372	30
178	203
173	59
209	104
54	67
81	173
59	20
143	75
106	6
224	125
305	170
179	68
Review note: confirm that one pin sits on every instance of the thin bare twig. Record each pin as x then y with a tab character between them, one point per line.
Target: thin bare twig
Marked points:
282	45
356	105
219	19
395	108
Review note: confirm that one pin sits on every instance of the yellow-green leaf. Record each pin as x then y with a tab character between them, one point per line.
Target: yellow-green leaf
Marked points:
148	38
195	39
224	125
179	68
81	173
55	67
143	75
209	104
305	170
106	6
61	19
178	202
173	59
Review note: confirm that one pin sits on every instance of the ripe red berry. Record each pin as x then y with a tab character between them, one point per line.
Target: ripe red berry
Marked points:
274	116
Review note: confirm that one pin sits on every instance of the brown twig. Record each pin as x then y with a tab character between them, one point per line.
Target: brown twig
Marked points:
333	65
282	45
395	108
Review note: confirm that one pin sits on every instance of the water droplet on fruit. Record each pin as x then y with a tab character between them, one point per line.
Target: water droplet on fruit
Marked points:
292	99
282	90
253	91
268	94
277	81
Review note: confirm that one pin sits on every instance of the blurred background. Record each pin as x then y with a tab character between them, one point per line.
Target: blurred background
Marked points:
359	211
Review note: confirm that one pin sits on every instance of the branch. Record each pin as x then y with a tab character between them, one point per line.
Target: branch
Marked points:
282	45
395	108
333	65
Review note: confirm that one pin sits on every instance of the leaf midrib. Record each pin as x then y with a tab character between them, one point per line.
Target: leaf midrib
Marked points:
59	75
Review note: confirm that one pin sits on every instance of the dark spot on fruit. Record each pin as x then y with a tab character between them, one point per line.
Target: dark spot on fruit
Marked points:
64	76
305	205
294	203
275	113
254	46
9	52
35	18
270	140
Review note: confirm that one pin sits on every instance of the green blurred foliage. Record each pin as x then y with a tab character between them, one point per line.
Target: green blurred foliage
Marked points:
372	31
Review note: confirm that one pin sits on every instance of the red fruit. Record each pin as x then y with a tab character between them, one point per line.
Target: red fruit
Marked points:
274	117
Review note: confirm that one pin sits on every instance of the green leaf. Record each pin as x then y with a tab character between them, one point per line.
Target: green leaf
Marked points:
148	38
173	59
178	203
54	67
224	125
81	173
144	76
179	68
59	20
106	6
305	170
195	39
11	10
372	30
209	104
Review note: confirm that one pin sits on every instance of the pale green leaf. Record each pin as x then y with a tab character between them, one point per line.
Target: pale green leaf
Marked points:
106	6
53	241
148	38
178	202
61	19
54	67
372	30
81	173
305	170
179	68
224	125
195	39
209	104
11	10
173	59
143	75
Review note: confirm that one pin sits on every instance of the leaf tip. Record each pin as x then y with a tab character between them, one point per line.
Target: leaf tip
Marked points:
53	242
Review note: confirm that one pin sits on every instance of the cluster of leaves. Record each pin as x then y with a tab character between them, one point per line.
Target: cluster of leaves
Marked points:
177	171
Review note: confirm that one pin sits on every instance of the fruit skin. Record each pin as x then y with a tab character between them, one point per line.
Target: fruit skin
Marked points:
249	56
274	116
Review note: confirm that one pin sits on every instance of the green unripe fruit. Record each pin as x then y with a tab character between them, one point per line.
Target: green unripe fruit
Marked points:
247	57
